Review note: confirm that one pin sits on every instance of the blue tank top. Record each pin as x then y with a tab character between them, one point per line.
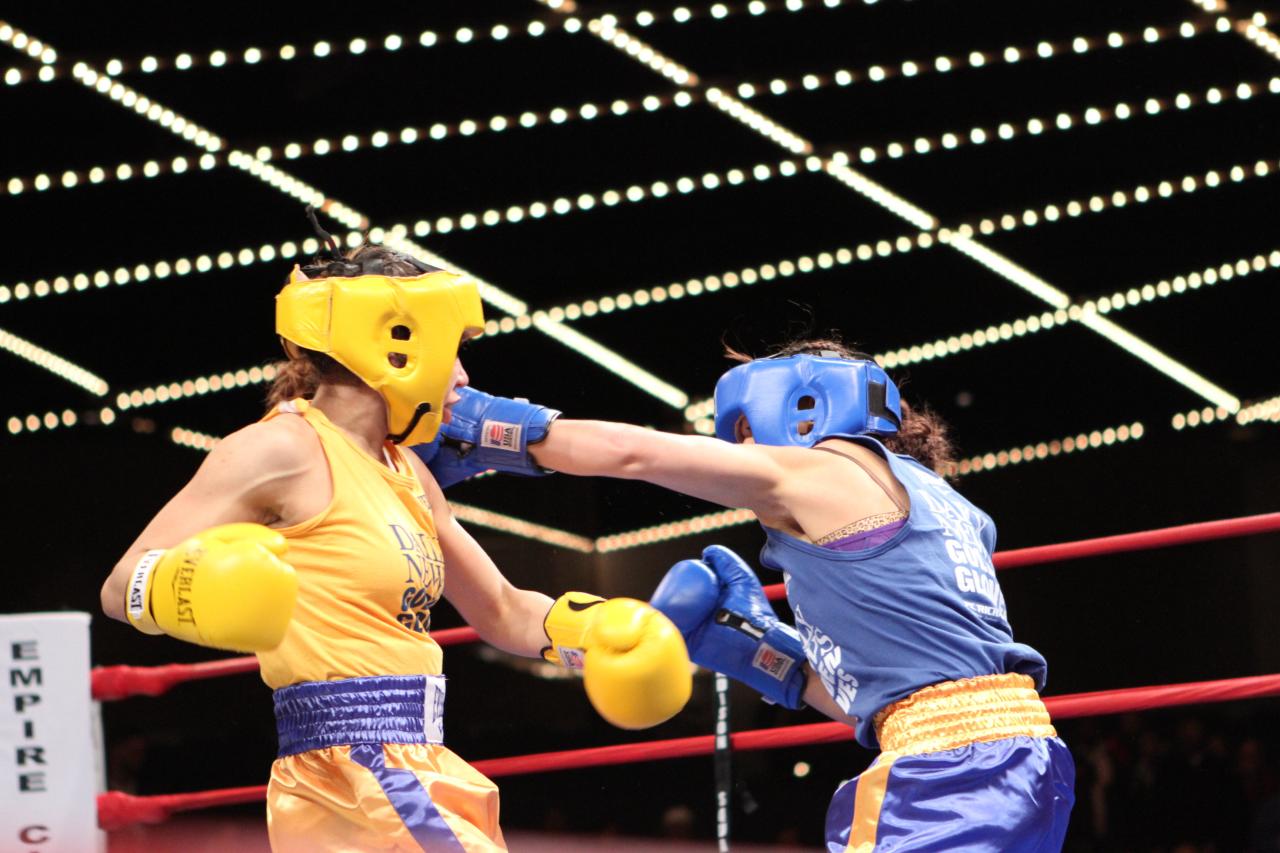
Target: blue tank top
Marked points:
922	608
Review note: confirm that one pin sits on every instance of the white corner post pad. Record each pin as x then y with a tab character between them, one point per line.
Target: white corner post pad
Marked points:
48	784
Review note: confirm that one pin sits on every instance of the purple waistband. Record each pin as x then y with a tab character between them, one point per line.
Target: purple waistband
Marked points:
376	710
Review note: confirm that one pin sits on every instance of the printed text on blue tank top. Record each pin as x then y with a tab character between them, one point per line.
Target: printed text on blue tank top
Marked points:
974	572
823	654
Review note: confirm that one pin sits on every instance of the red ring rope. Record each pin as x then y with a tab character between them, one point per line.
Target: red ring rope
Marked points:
117	809
118	682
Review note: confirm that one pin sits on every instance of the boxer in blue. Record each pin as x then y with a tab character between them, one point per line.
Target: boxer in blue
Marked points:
901	629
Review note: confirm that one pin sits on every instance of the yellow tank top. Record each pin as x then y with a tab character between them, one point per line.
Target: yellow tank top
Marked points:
369	570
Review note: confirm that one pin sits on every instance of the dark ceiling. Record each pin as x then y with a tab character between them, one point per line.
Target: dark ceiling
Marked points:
1035	388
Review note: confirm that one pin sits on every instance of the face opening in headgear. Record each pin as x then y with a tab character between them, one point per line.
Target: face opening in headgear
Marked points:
398	334
799	400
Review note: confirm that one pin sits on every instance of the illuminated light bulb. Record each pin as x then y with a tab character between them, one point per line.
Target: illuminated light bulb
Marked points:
1044	49
1012	54
1080	44
1150	34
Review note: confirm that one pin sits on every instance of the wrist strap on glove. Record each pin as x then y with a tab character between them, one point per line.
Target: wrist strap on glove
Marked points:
137	599
566	624
776	668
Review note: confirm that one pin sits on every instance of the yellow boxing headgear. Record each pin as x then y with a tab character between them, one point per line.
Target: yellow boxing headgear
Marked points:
399	335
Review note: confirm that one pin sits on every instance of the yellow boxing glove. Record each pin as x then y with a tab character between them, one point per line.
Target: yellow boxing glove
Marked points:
635	665
225	588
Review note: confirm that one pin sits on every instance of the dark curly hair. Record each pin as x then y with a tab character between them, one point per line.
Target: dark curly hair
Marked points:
923	435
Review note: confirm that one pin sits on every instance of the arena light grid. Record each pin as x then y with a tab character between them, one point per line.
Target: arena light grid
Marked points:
875	192
1042	215
844	255
1150	35
700	412
697	412
348	216
350	142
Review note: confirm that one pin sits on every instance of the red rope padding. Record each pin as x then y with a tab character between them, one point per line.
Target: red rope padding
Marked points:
117	809
1164	537
117	682
120	682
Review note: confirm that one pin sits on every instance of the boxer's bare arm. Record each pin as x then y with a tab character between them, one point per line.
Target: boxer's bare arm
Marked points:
505	616
272	473
789	488
735	475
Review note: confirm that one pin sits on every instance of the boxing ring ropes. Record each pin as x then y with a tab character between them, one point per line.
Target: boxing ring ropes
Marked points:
117	810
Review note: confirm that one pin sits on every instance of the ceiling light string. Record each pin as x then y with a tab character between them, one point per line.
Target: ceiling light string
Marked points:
1061	122
379	139
388	43
1253	29
55	364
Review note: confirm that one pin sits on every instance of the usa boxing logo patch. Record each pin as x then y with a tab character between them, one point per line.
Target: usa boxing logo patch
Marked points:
772	662
572	658
500	436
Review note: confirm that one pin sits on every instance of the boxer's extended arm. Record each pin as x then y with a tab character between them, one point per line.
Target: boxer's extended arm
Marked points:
754	477
504	616
635	667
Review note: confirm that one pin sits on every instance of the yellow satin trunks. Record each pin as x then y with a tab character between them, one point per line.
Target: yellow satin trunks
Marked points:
395	796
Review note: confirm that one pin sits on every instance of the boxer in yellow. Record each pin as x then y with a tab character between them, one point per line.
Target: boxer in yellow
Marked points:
314	540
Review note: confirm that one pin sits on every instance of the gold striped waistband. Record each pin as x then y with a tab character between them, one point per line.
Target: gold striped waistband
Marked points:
957	713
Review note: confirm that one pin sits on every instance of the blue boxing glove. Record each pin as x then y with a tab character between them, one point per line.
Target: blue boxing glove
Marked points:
719	606
487	433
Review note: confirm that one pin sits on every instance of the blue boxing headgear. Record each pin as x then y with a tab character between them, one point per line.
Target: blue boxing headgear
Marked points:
800	400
